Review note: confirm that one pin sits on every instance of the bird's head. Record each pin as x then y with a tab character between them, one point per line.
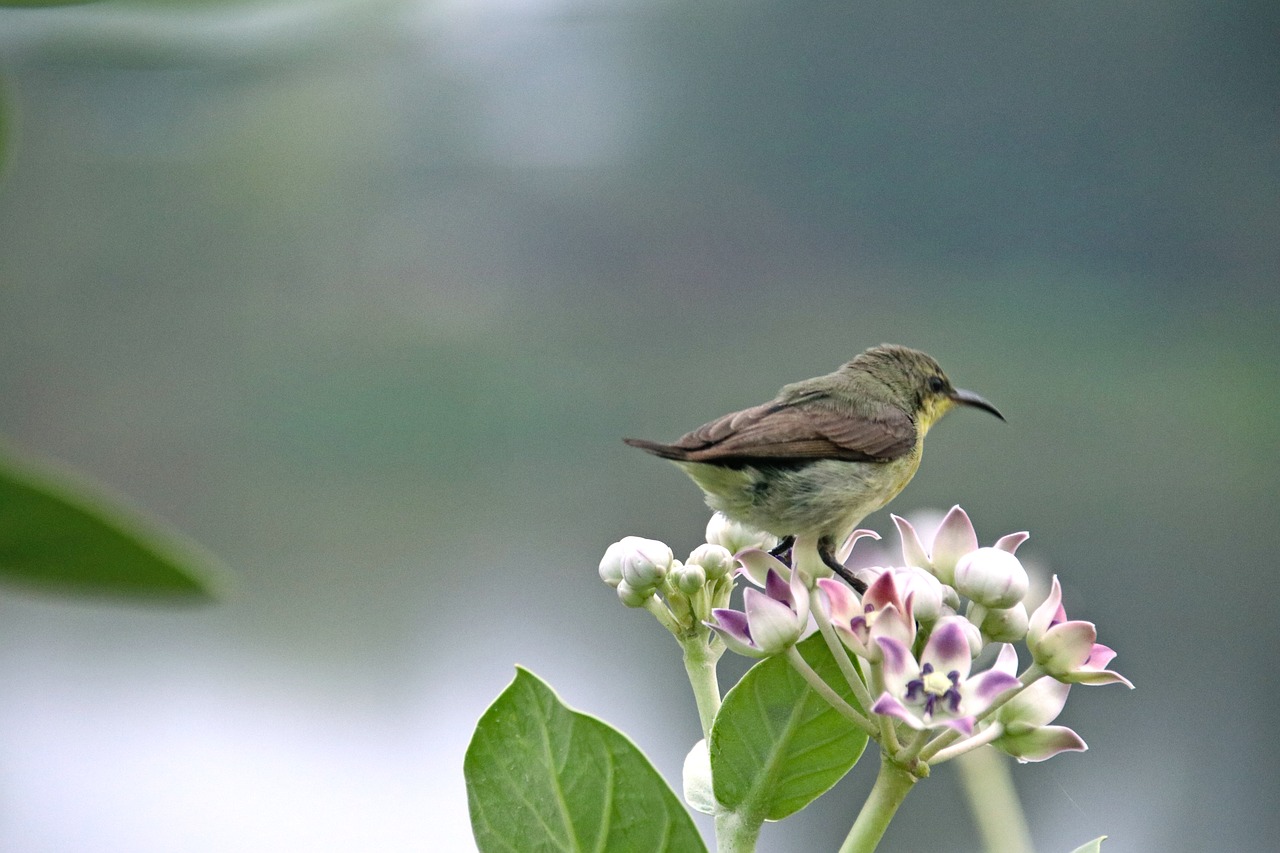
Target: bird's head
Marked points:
915	382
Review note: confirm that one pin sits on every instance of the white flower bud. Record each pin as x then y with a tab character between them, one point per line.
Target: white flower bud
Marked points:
716	560
991	577
1007	625
645	562
925	591
735	537
950	598
689	578
633	597
611	564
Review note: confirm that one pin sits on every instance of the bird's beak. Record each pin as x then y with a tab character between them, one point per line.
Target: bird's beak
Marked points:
968	398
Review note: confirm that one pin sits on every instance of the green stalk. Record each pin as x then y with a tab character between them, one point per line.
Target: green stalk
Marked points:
700	660
993	801
893	783
852	714
735	833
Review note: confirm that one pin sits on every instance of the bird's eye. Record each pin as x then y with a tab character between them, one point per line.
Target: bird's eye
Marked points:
937	384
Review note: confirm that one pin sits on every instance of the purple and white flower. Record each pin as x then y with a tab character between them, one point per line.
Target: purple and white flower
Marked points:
924	591
880	613
756	564
770	621
937	691
1025	718
1066	649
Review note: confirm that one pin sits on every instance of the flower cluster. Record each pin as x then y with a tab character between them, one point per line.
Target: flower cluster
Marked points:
682	595
915	633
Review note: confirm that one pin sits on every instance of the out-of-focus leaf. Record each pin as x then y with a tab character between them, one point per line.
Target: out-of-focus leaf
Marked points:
543	777
61	534
1094	846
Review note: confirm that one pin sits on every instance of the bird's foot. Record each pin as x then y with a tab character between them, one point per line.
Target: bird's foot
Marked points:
827	553
783	549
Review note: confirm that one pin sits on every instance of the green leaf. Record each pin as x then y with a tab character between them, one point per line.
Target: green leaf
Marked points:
542	777
1094	846
777	745
61	534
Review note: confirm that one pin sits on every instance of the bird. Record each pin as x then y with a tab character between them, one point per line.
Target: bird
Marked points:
825	452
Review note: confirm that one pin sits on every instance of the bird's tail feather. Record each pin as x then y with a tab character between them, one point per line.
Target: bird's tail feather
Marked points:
665	451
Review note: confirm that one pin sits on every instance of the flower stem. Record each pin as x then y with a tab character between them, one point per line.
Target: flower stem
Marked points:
994	802
963	747
736	833
912	750
893	783
800	665
847	668
700	660
662	613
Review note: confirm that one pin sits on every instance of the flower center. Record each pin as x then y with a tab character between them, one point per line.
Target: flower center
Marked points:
932	688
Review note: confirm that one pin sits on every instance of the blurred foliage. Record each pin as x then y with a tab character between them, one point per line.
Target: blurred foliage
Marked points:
34	3
61	536
6	124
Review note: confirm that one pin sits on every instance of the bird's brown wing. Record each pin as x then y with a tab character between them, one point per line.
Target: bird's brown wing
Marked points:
807	429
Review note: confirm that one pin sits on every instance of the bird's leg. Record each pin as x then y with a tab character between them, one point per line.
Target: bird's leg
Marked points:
783	549
826	550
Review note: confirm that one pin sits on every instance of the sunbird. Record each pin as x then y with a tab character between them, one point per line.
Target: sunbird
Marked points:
825	452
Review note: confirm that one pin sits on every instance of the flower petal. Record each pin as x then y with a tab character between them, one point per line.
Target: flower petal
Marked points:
921	592
1099	657
840	604
1045	615
948	647
898	666
774	626
777	588
732	622
964	725
1105	676
756	565
1006	659
890	623
954	539
891	707
883	591
799	595
1065	647
1034	707
985	687
734	642
1011	541
913	553
1039	744
846	547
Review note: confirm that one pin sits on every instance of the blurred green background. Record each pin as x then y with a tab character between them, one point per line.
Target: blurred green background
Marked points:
363	296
